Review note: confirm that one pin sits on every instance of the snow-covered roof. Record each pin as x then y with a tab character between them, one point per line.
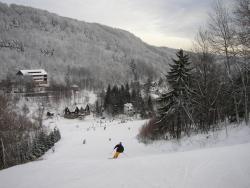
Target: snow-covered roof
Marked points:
154	96
75	86
128	105
33	72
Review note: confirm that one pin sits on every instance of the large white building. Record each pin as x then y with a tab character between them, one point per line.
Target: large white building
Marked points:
39	76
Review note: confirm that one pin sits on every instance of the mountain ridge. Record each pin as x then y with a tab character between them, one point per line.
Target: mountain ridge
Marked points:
34	38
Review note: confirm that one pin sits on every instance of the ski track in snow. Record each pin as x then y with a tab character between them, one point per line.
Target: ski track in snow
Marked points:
78	165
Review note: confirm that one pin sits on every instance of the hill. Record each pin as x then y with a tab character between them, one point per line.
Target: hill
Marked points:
33	38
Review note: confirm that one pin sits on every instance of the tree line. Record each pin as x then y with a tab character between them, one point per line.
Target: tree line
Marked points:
210	87
115	97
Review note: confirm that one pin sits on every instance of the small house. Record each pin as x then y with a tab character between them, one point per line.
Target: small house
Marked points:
128	109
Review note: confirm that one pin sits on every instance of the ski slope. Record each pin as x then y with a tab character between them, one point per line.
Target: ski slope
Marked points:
78	165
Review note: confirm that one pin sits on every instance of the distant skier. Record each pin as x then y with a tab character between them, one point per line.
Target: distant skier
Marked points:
84	141
119	149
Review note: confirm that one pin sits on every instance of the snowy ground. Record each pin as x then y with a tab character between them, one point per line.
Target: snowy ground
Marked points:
225	162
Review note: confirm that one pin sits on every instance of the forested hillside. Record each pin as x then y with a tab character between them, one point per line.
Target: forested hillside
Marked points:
32	38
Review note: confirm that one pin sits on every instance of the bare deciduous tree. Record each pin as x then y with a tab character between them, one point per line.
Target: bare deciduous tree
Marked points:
242	20
222	33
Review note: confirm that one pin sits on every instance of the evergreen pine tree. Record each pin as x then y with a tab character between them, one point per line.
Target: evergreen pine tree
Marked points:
150	104
107	99
42	142
127	94
114	100
133	98
174	102
57	134
52	139
147	86
121	99
97	108
142	109
36	149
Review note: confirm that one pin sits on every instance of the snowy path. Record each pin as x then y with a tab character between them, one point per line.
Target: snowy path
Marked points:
75	165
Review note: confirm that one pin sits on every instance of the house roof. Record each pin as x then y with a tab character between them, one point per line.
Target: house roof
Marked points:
128	105
32	72
75	86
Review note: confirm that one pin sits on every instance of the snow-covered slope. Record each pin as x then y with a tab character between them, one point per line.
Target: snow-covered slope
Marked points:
78	165
33	38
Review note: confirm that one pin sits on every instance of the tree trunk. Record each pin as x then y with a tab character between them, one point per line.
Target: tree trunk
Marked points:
236	110
245	99
246	107
3	153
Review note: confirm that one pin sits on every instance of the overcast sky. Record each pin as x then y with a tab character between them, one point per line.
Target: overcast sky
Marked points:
171	23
